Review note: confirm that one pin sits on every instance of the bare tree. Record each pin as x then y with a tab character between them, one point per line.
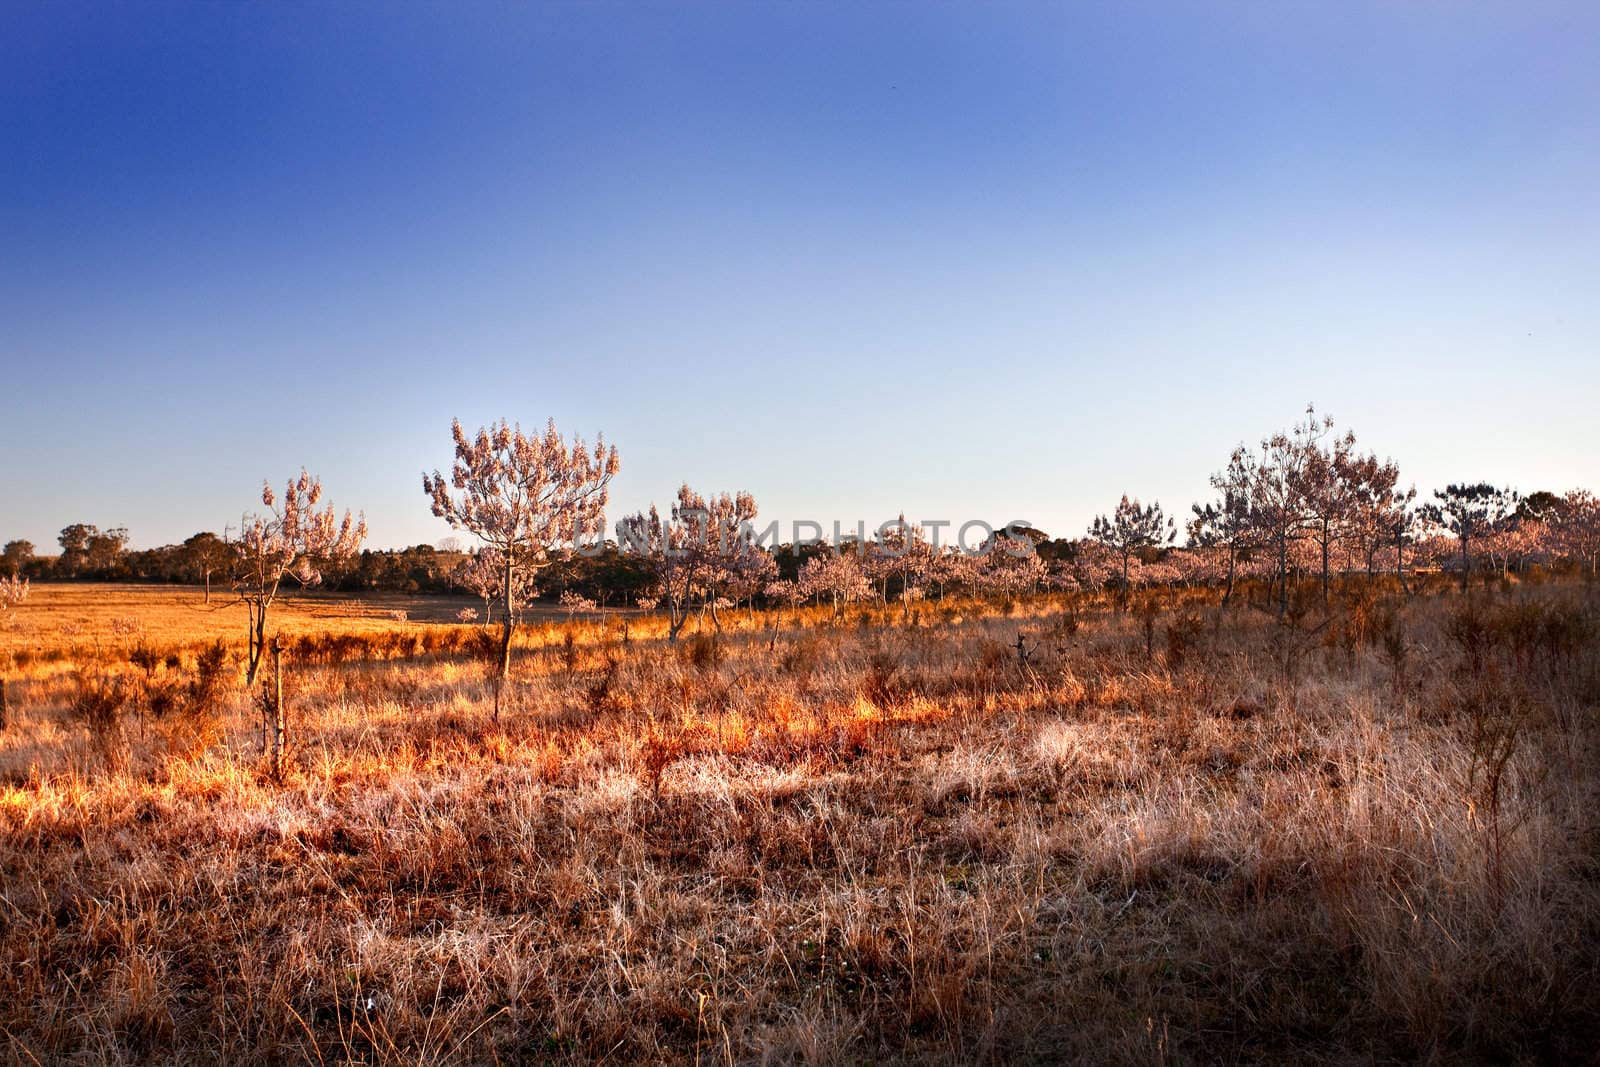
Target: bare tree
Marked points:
1373	500
293	540
1325	483
1470	513
1227	523
1132	529
1273	481
1402	523
524	496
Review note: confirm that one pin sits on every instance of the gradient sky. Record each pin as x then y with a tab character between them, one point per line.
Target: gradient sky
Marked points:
990	261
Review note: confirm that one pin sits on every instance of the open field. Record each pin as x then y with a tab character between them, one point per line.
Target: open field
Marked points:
75	617
1168	834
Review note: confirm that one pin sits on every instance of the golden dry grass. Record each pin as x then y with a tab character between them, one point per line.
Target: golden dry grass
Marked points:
74	618
1215	838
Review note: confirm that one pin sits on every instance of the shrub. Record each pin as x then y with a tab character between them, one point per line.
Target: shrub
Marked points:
98	702
705	652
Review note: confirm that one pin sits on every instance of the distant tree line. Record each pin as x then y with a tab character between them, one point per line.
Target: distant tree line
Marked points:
1304	506
608	577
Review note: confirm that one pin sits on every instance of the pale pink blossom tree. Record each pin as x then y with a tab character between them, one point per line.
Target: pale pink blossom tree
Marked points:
524	495
703	553
484	574
13	591
1578	529
575	604
789	593
836	577
1010	573
901	553
748	576
292	540
730	564
1091	567
1375	505
666	544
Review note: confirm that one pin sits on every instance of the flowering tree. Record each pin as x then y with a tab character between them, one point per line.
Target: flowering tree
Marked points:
1132	529
1009	571
575	604
13	591
1519	543
1470	513
1091	566
293	540
836	577
484	574
703	553
901	553
524	496
749	574
665	544
1578	528
728	562
1195	568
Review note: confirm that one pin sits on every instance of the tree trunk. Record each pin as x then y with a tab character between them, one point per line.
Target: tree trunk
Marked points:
506	628
1227	589
258	639
1327	543
279	729
3	719
1466	562
208	587
1283	573
1400	561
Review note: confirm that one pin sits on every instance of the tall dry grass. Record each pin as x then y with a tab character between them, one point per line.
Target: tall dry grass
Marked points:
1044	832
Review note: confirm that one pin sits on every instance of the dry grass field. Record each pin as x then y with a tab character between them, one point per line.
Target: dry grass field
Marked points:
997	834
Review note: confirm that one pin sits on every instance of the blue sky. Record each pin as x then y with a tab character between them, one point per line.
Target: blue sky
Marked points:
956	260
